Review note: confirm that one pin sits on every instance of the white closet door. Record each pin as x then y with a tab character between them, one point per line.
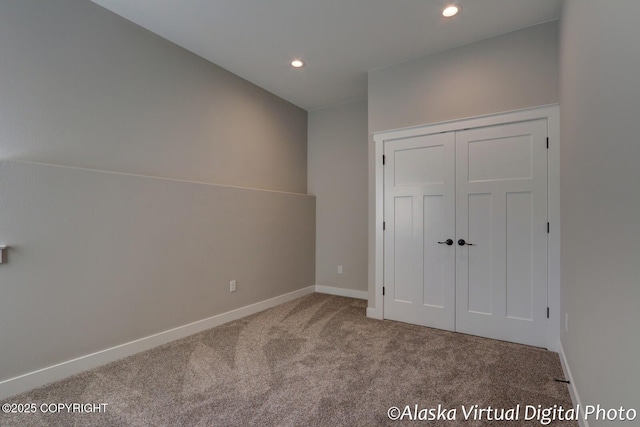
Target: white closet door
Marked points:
501	210
420	212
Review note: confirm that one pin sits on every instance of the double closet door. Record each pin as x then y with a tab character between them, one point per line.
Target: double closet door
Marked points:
465	240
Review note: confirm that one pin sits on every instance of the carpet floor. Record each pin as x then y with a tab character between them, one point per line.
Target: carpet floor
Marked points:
314	361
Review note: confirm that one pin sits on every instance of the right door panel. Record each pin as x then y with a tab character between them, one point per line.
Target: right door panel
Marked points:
501	214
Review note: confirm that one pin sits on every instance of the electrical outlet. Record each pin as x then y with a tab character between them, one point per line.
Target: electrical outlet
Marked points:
566	322
339	269
232	286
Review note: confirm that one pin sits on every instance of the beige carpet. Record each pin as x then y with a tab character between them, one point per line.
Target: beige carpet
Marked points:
313	361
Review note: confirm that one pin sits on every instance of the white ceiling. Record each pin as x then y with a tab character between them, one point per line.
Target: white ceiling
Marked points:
340	40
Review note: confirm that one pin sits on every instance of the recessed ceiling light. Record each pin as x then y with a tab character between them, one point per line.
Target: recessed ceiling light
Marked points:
297	63
451	10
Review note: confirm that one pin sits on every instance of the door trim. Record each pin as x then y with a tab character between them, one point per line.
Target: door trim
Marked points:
549	112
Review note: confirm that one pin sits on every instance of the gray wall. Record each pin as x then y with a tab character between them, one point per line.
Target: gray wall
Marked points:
512	71
82	86
600	103
504	73
98	259
337	176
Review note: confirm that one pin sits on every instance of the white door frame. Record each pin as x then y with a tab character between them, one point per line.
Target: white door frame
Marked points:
549	112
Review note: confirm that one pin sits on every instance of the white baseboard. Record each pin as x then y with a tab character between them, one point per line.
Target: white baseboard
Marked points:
374	313
350	293
575	398
62	370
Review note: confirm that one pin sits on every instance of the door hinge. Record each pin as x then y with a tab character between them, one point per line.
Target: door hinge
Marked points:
547	312
384	225
384	159
548	228
547	142
383	291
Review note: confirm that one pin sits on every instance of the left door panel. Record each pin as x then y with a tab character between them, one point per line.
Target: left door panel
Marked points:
419	181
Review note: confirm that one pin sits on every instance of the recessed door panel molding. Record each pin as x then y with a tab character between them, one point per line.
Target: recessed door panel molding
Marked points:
435	277
485	158
520	255
465	244
416	166
479	275
403	253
